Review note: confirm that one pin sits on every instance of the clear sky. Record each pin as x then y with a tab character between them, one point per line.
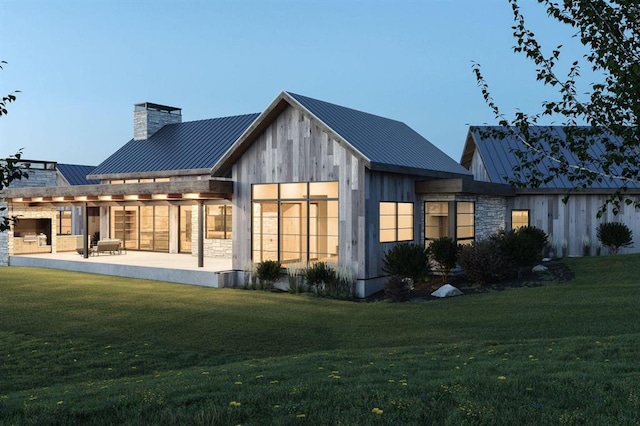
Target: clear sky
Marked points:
81	65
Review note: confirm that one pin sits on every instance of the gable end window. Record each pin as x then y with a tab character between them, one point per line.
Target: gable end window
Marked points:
396	222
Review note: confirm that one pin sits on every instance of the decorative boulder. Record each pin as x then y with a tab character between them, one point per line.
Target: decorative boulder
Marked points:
539	268
447	290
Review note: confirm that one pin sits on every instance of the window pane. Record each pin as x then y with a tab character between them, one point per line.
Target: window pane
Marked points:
323	189
405	209
436	219
387	222
216	219
387	235
293	190
465	232
387	208
64	227
265	231
519	218
405	234
465	207
266	192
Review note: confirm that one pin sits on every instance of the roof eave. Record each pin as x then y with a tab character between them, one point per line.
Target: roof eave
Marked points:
438	174
151	174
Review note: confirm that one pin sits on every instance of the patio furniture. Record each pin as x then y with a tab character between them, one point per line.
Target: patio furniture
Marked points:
108	246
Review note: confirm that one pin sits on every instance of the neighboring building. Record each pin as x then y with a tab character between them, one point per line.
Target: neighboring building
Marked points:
492	157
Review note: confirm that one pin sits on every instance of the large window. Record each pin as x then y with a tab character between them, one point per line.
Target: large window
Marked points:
219	221
295	222
449	219
64	222
519	218
396	222
141	228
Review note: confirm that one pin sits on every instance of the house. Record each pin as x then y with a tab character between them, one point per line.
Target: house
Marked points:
303	181
492	157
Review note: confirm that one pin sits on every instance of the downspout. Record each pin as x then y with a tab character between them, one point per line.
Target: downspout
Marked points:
85	230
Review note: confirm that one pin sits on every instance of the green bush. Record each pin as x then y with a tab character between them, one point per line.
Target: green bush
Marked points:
483	262
268	272
408	260
320	276
397	289
522	247
444	251
536	236
614	235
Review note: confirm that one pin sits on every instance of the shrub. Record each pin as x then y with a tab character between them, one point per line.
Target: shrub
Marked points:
444	251
268	272
320	275
483	262
407	260
536	236
295	275
397	288
614	235
522	247
342	285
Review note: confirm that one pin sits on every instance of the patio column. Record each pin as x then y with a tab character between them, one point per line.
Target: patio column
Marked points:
85	230
201	232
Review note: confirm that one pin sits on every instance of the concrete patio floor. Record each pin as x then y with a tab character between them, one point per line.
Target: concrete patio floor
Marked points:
176	268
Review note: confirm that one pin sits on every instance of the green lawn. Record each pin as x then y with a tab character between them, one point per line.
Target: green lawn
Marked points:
89	349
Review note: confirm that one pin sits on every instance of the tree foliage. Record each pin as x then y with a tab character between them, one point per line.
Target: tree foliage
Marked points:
9	170
609	31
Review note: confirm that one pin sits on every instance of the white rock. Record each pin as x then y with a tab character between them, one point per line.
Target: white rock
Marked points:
546	259
539	268
447	290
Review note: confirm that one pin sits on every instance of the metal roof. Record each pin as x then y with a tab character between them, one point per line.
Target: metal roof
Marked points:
76	174
499	156
382	140
182	146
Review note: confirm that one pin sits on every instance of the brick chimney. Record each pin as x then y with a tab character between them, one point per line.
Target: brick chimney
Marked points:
148	118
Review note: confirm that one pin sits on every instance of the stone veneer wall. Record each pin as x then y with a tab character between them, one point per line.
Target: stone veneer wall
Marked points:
37	178
491	215
213	247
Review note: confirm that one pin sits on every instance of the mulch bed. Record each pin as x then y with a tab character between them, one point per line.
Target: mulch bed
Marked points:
557	272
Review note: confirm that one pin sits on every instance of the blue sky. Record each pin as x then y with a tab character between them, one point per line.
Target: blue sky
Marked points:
81	65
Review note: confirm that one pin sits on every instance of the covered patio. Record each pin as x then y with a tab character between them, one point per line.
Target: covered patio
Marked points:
167	267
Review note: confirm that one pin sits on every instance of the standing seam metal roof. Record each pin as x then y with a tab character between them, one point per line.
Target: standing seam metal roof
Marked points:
381	140
499	156
76	174
182	146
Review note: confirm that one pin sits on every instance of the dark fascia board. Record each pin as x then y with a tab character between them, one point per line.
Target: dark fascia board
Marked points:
570	191
261	123
437	174
152	174
464	186
181	187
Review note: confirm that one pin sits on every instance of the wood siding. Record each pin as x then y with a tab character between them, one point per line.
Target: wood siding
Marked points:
294	148
572	221
386	187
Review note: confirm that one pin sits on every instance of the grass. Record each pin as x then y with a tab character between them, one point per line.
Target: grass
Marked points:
88	349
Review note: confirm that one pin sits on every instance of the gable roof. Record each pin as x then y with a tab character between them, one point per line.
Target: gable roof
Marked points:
193	147
76	174
383	143
498	154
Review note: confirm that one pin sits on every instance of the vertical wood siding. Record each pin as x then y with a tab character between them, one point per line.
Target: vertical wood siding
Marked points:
572	221
294	148
386	187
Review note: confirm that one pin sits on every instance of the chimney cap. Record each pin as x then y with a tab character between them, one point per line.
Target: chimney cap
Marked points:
150	105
